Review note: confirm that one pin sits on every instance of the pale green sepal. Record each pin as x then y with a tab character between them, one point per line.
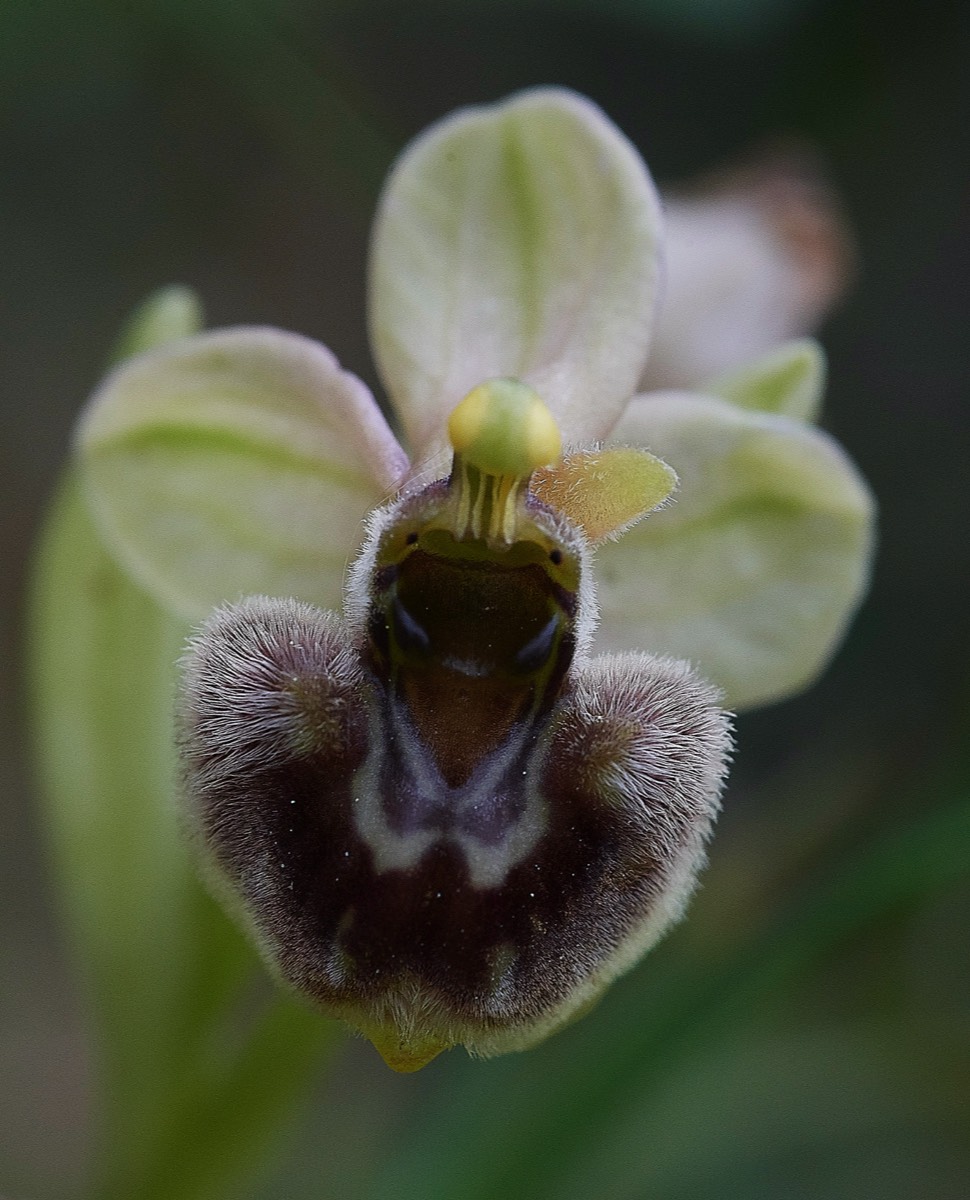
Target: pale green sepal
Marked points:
235	462
516	240
168	314
790	382
754	572
190	1089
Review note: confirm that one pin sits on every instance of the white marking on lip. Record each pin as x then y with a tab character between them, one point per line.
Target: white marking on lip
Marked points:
488	864
465	666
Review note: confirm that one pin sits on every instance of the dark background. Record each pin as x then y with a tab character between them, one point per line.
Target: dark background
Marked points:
239	148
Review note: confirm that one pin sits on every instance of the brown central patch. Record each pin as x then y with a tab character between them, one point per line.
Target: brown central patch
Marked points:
461	720
472	647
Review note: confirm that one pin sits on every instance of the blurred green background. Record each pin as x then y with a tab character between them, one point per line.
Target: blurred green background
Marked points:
806	1033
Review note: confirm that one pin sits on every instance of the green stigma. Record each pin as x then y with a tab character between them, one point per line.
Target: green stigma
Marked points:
501	432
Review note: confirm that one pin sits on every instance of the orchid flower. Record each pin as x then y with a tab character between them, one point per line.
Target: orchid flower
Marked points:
451	728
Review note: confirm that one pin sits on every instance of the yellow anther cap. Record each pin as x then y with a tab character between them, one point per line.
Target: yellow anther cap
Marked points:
503	428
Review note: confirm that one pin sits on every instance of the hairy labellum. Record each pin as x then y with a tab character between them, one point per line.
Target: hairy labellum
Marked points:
441	819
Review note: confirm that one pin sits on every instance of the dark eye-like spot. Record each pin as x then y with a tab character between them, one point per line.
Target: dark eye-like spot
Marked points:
384	577
377	629
535	653
555	557
409	634
411	539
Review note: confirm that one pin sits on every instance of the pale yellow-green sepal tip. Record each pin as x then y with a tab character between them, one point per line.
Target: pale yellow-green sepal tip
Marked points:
604	492
502	427
165	316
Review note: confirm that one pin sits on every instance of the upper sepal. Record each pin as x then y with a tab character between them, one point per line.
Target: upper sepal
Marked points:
517	239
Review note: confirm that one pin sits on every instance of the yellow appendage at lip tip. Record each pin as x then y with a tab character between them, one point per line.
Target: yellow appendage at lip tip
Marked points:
404	1055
